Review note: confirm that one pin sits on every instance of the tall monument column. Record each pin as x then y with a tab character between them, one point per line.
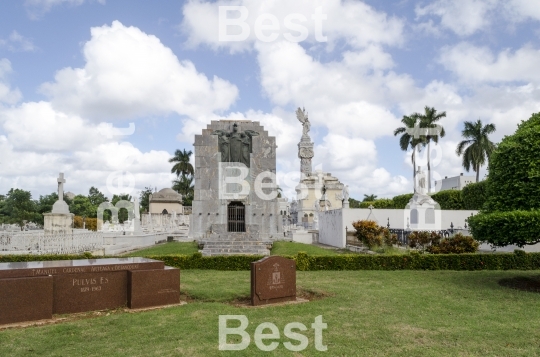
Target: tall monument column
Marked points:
305	146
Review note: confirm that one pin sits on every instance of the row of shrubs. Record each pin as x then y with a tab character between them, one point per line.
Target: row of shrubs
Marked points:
414	261
89	223
372	235
472	197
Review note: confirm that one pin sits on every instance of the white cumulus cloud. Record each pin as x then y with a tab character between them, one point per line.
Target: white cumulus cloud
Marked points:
129	73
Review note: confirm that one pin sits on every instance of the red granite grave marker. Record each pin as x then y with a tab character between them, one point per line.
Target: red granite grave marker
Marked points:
273	280
26	299
35	290
153	287
89	291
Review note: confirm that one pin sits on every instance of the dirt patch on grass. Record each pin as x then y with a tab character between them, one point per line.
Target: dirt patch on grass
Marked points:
302	295
311	294
524	283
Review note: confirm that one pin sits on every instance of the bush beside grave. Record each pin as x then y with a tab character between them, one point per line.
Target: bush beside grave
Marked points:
373	235
458	244
91	223
503	228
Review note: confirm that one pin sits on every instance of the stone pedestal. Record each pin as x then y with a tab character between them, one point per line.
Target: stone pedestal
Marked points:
424	213
58	223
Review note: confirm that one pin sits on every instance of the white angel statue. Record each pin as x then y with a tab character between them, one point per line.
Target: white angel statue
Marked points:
303	118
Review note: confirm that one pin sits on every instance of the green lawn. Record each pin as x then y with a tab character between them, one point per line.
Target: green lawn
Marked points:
187	248
369	313
292	248
279	248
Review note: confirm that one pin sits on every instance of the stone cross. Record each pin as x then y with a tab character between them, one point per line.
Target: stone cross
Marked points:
61	182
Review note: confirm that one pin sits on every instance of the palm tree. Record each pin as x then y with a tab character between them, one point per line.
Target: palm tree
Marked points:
411	138
369	198
476	147
184	186
432	132
182	166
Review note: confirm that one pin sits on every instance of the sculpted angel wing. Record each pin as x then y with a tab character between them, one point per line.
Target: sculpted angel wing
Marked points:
301	115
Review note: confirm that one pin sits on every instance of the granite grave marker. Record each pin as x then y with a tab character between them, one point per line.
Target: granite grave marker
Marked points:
273	280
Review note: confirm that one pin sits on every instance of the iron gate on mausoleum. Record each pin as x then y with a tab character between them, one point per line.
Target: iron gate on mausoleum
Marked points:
236	217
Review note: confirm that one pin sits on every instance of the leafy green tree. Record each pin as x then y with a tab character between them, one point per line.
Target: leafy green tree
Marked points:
96	197
45	204
123	214
184	186
511	214
18	207
514	170
83	207
432	132
354	203
476	149
369	198
411	138
182	166
144	199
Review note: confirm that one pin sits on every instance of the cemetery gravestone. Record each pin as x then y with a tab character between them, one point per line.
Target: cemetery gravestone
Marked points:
35	290
273	280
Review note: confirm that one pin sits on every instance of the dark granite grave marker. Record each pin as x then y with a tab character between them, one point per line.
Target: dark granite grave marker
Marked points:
35	290
153	287
273	280
25	299
89	291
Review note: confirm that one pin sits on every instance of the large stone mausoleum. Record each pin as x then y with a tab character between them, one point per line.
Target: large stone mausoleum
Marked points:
235	196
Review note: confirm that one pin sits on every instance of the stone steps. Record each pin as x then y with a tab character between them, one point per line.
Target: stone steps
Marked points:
235	247
223	242
214	252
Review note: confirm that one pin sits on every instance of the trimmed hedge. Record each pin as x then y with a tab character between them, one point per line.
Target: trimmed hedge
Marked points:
382	203
449	199
41	258
504	228
517	261
401	201
474	195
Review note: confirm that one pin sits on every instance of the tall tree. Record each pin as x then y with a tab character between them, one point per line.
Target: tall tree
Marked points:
432	131
144	199
411	138
184	186
369	198
96	197
123	214
18	207
182	166
476	148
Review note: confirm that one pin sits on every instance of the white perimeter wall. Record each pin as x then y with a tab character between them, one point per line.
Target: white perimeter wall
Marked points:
332	228
398	217
334	223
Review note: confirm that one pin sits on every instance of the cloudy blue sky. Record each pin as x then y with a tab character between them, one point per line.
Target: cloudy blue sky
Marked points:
72	69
